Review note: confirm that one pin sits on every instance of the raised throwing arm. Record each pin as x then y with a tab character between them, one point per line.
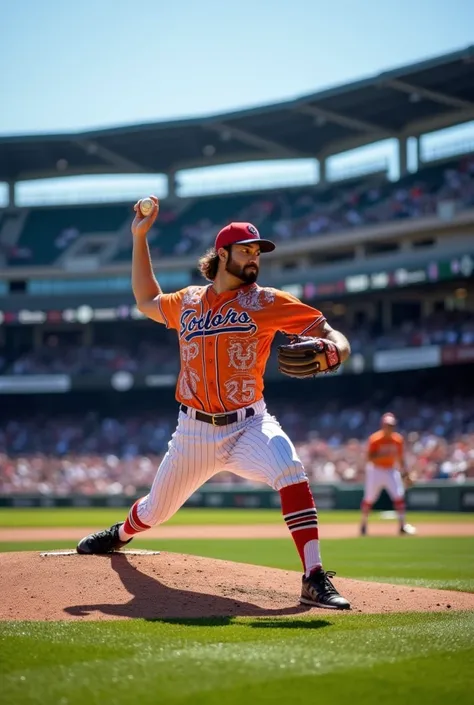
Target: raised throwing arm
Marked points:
145	286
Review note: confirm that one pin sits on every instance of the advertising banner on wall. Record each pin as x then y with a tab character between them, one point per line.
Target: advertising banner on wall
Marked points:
407	359
457	354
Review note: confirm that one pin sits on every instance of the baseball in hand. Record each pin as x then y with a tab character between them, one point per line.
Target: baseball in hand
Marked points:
146	206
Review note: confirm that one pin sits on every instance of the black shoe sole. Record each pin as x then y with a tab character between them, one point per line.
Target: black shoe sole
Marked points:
92	553
99	553
311	603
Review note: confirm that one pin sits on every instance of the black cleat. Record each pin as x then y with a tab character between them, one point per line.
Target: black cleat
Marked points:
318	591
363	530
105	541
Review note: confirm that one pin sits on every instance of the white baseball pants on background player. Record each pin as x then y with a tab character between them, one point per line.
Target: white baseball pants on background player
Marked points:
377	479
255	448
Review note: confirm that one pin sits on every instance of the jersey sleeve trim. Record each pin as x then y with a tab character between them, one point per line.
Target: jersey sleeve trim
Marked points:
316	322
160	307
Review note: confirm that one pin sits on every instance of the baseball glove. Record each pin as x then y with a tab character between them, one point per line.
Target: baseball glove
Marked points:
308	357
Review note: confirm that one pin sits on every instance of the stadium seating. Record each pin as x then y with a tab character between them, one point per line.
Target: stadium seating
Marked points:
189	226
153	348
48	232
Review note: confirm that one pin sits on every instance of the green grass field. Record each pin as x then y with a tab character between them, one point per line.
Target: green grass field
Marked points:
75	516
396	658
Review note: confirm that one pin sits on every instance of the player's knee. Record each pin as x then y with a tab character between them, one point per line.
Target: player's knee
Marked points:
291	475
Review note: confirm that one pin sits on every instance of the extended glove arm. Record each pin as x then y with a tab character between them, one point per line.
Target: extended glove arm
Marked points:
336	337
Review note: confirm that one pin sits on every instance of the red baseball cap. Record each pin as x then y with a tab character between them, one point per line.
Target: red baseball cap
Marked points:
389	418
242	234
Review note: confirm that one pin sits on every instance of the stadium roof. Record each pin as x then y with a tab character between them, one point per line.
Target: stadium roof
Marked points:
407	101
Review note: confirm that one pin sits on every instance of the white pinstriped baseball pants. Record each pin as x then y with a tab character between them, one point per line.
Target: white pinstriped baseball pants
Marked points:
255	448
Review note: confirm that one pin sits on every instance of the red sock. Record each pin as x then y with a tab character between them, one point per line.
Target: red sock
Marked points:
133	525
399	506
365	508
299	512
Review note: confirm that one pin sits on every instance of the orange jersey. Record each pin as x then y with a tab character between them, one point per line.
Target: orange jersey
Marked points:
225	340
385	452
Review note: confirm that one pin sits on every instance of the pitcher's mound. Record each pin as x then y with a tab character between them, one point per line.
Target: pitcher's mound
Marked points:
171	585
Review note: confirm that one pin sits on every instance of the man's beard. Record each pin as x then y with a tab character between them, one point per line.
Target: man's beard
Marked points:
247	274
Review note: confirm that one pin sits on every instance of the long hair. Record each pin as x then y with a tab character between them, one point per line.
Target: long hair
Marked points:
209	263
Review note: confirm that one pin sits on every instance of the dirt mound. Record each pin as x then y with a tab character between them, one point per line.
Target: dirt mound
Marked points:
170	585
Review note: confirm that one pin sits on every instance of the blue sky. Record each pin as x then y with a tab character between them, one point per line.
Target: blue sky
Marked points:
94	63
74	65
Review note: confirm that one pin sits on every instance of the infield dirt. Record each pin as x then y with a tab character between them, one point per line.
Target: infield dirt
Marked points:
175	586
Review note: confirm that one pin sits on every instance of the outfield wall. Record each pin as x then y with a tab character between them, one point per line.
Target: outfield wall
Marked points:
435	496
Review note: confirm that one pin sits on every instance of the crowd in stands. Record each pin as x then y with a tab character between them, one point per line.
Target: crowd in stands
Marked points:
191	226
146	357
92	454
55	357
444	328
306	212
439	439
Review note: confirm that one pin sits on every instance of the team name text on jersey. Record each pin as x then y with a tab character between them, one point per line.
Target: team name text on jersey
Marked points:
231	322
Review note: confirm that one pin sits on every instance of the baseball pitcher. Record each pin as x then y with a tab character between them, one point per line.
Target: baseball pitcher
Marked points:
225	331
386	468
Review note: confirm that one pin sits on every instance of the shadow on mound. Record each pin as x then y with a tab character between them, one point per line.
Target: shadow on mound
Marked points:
153	600
189	590
260	624
290	624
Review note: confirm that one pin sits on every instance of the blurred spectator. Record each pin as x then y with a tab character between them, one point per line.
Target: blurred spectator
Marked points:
444	328
93	454
57	358
66	237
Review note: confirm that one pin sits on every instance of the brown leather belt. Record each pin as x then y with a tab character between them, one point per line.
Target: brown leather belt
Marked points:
219	419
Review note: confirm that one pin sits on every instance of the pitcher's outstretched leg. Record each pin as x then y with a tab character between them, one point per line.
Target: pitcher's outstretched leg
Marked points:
300	515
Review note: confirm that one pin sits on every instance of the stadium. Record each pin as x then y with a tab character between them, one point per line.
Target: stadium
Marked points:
88	382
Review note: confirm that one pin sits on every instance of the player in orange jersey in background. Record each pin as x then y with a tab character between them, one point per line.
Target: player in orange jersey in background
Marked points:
386	468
